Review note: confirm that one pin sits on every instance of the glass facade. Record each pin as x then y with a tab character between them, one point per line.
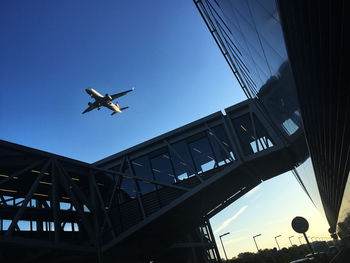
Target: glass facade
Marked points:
343	226
307	175
128	185
257	36
203	155
181	160
142	168
250	36
221	145
252	134
163	169
253	36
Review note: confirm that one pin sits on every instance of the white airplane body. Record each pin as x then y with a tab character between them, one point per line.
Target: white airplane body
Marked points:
106	101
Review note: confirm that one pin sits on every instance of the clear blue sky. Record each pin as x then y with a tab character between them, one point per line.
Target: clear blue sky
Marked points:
51	51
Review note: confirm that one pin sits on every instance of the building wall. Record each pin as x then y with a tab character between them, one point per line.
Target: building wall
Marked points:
251	34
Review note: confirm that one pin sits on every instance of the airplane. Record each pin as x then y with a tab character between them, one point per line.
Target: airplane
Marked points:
106	101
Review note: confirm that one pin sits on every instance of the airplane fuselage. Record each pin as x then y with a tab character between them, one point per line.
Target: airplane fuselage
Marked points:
106	101
102	100
94	94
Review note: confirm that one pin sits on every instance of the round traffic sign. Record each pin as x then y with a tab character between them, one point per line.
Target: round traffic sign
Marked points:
300	224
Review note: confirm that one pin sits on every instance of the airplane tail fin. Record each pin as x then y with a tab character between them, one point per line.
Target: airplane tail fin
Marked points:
121	109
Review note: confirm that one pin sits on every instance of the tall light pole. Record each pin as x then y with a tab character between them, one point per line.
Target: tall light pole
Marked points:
277	242
290	240
223	244
255	241
299	239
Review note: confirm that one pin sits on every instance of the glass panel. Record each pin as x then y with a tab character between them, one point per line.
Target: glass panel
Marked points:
258	42
270	35
162	169
183	164
263	139
128	185
24	225
211	254
252	142
142	168
256	32
6	224
221	145
202	155
250	39
290	126
307	175
244	129
269	6
65	206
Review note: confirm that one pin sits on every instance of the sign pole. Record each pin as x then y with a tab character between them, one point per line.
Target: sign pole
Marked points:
300	225
309	245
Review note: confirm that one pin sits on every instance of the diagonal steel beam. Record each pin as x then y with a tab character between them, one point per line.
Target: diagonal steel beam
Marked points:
55	203
138	196
20	172
221	173
103	207
76	204
94	212
187	165
26	200
138	178
254	131
3	201
76	188
116	186
220	143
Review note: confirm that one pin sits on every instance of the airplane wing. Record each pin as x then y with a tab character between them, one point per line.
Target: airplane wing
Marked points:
114	96
90	108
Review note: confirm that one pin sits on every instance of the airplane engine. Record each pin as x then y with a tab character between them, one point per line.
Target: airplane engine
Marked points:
108	96
89	103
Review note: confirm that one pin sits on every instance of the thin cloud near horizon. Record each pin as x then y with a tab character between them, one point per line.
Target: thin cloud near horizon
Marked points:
228	221
253	191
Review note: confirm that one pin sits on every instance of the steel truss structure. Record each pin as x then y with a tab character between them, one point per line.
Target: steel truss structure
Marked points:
116	208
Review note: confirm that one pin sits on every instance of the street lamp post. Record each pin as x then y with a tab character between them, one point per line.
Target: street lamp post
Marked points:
277	241
290	240
223	244
255	241
299	239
